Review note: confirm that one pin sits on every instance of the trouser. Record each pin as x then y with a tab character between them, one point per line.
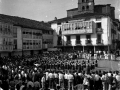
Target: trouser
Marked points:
61	83
65	83
105	86
118	85
80	87
86	87
51	82
56	80
109	87
43	84
70	85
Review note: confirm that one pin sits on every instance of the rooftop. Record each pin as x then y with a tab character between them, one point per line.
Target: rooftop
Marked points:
103	5
72	9
81	16
24	22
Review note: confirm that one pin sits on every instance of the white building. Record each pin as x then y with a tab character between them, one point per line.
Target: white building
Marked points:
88	30
21	36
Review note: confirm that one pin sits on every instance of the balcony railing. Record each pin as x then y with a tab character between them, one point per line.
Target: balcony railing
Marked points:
88	42
68	42
75	27
78	42
99	30
80	31
6	47
99	42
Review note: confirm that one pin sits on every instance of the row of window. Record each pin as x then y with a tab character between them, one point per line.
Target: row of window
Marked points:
7	41
88	37
31	47
85	8
31	42
77	25
7	29
48	41
47	32
32	34
6	48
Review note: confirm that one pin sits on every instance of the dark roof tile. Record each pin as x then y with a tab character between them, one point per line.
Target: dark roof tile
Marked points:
24	22
72	9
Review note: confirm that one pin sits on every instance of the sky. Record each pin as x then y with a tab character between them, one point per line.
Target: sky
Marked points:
46	10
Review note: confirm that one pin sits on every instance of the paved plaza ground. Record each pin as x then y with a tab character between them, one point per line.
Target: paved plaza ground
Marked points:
109	65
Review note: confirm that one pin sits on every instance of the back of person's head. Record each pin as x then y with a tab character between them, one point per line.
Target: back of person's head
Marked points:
103	72
96	72
117	72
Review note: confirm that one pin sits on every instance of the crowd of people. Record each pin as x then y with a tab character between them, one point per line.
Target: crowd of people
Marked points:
55	70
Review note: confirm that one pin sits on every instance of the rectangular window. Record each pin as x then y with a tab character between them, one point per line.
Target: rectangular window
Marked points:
90	24
98	25
88	37
68	38
15	43
99	37
78	38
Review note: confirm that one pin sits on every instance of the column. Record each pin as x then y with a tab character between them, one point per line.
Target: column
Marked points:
73	47
94	49
83	49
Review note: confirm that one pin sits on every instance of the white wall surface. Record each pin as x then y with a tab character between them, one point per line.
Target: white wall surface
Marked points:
106	26
19	38
55	28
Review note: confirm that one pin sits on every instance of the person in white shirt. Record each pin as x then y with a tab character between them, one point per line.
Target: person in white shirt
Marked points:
47	75
51	80
70	81
104	79
118	80
61	79
43	82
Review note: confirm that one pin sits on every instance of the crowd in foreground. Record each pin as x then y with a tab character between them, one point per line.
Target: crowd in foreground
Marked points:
55	70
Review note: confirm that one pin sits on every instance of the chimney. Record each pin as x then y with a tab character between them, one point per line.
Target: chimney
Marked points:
55	18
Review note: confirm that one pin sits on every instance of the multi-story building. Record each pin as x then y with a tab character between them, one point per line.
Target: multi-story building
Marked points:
6	37
47	39
21	36
87	28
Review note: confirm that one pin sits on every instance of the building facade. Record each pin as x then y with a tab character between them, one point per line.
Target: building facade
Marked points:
87	30
47	39
6	38
23	38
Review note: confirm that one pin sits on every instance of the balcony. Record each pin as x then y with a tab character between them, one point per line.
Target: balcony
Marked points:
99	30
75	27
8	48
88	42
79	31
78	42
68	43
99	42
